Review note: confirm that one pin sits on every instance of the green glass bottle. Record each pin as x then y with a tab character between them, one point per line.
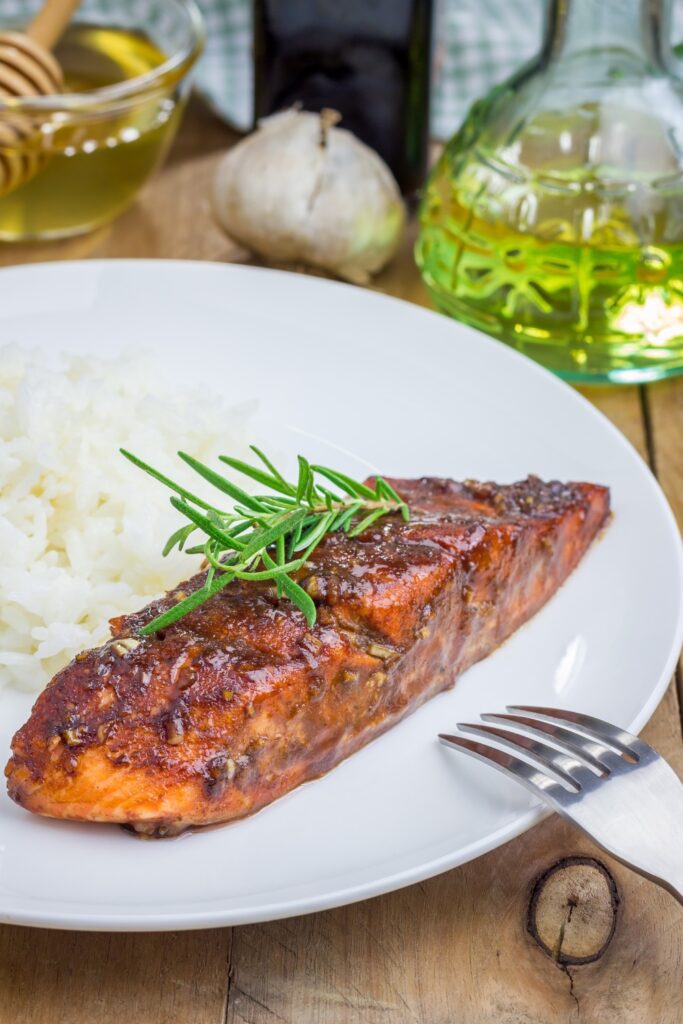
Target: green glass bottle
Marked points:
554	218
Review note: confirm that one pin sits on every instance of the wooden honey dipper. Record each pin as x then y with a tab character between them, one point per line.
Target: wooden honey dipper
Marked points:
28	68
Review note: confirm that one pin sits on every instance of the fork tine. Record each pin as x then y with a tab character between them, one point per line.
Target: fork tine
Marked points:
542	756
539	783
588	751
620	740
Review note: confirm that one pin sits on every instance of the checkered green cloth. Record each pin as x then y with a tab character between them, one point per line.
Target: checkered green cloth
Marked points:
477	43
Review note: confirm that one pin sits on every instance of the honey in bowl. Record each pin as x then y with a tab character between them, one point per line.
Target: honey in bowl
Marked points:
95	155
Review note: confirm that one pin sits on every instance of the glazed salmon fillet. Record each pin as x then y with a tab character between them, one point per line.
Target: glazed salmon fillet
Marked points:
240	701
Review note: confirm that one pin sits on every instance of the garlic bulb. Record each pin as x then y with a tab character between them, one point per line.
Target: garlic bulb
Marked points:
301	190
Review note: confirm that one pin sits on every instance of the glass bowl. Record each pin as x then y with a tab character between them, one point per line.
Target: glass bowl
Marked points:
79	158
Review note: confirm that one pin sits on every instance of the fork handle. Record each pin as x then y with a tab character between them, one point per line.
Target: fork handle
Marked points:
644	832
668	876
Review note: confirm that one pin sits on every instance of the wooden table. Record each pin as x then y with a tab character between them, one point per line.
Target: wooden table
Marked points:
454	950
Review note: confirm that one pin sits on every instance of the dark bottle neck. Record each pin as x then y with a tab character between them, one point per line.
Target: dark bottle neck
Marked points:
631	32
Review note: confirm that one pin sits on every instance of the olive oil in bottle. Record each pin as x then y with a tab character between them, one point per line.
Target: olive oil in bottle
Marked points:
554	218
578	289
94	156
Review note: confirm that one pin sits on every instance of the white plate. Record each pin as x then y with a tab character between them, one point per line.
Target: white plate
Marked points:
413	393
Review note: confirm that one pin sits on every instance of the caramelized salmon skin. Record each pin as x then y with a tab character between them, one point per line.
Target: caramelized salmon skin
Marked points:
240	701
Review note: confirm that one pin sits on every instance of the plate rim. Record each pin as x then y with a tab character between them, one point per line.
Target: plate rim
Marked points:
222	917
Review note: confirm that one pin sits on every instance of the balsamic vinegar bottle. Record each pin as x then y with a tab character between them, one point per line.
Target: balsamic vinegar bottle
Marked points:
368	59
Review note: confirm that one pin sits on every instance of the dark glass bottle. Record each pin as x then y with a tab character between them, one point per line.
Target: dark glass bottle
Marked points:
368	59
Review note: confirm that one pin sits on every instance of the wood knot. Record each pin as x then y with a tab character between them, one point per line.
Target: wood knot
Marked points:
573	910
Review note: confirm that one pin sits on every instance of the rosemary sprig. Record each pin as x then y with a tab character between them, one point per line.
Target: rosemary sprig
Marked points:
267	536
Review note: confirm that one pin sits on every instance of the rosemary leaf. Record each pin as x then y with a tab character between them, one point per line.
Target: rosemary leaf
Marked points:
385	490
296	594
371	518
209	528
280	556
276	504
179	538
315	533
267	479
304	473
294	539
258	538
269	465
345	517
196	599
236	493
264	538
353	487
268	574
212	553
182	491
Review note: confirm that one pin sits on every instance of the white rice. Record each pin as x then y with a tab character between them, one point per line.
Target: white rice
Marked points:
81	529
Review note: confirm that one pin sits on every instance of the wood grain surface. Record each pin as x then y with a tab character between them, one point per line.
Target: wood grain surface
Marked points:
453	950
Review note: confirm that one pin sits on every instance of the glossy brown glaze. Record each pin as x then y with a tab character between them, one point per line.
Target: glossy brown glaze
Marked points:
239	702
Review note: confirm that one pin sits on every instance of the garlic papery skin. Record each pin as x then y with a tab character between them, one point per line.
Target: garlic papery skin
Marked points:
301	190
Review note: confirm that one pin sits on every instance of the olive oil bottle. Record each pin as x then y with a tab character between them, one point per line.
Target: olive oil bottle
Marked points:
554	218
96	155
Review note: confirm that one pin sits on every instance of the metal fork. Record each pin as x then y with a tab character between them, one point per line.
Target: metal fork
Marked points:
609	783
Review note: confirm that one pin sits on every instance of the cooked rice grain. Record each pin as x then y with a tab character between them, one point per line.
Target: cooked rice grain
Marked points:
81	529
